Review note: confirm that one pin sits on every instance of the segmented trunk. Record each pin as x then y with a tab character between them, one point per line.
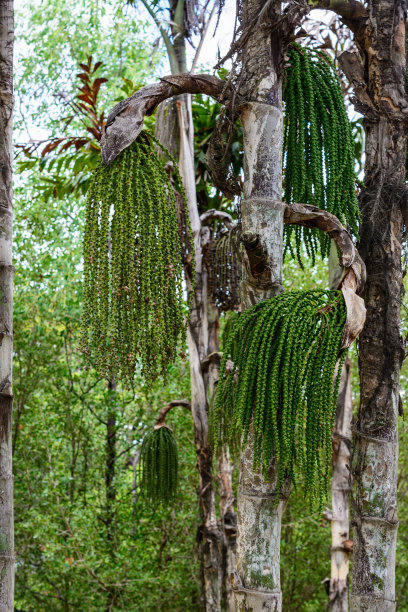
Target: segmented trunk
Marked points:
211	540
6	310
209	532
340	551
381	350
257	578
341	545
110	489
227	522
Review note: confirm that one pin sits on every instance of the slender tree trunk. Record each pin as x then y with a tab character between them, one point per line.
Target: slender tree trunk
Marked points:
175	129
227	523
382	47
6	311
340	548
257	578
110	489
210	534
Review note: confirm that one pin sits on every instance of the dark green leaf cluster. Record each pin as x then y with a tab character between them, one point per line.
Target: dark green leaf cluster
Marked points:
276	376
159	465
133	308
318	147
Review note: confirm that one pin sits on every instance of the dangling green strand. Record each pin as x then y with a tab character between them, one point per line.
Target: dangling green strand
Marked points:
158	464
133	308
318	155
276	375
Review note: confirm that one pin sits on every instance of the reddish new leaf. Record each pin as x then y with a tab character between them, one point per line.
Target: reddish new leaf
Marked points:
51	146
97	65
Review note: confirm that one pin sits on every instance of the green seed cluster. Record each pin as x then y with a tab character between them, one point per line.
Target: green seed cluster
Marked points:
318	148
276	375
133	307
159	465
224	271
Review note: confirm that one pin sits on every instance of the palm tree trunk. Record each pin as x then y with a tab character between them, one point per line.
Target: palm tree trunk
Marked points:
257	578
6	311
340	550
381	41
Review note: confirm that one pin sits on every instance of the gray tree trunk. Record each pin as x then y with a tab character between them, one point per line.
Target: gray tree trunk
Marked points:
6	311
212	541
257	577
340	548
227	522
380	90
110	489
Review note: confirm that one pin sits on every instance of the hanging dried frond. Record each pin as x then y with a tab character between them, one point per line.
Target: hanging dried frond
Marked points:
158	478
276	376
224	271
133	309
318	147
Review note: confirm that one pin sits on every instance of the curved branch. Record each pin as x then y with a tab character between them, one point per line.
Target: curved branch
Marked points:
348	9
161	417
125	121
220	215
352	12
313	217
214	357
354	280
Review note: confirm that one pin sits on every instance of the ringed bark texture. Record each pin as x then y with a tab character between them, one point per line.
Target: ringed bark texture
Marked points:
340	550
256	580
6	307
209	535
381	42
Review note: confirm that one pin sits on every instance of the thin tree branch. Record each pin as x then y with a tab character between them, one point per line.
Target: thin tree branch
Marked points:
161	417
125	122
350	10
313	217
166	39
217	214
203	35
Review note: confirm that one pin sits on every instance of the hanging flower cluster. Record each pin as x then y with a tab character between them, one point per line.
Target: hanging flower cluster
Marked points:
224	271
277	376
159	465
318	147
133	306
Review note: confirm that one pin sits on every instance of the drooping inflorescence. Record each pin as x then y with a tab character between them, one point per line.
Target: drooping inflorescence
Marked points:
224	271
278	377
158	465
133	307
318	147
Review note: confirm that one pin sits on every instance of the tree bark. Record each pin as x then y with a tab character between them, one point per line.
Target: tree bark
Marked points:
381	42
110	488
6	310
209	533
339	517
174	127
227	522
257	576
214	546
340	549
